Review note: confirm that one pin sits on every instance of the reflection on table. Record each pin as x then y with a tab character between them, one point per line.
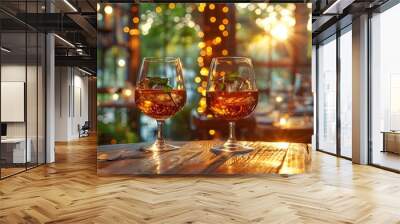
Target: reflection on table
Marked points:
195	158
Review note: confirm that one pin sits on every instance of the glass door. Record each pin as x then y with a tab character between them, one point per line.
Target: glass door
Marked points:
326	84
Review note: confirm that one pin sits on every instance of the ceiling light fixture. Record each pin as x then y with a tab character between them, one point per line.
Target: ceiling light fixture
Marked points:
84	71
70	5
337	7
5	50
64	40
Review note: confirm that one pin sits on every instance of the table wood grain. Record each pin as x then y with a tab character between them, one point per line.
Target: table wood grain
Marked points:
195	158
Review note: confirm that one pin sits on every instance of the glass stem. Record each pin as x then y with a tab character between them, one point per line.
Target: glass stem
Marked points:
232	136
160	137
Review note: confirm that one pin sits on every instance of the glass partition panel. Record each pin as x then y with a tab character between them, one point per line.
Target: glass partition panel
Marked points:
327	96
346	94
22	88
14	150
385	89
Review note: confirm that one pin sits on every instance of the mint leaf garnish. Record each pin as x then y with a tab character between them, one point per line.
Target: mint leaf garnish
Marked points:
162	84
157	81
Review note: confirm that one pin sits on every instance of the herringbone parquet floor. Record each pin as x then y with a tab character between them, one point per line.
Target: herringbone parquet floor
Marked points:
70	192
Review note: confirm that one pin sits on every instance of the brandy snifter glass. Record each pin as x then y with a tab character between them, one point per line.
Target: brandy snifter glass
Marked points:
231	95
160	93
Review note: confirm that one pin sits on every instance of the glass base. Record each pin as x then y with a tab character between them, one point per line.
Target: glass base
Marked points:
157	147
232	147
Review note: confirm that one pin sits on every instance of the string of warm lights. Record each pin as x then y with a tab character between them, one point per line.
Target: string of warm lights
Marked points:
108	11
209	49
214	44
132	30
276	20
279	21
141	25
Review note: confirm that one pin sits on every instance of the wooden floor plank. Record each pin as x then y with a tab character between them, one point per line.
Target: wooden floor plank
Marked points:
69	191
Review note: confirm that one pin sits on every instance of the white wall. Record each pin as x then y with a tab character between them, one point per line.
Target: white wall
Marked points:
80	110
62	81
17	73
71	94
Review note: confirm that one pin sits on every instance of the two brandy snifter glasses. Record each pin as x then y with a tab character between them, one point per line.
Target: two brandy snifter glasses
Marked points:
231	95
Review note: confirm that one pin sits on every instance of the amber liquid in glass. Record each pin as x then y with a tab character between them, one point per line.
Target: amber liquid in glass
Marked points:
160	104
232	106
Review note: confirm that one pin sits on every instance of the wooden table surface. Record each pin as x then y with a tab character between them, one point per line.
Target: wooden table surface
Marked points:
195	158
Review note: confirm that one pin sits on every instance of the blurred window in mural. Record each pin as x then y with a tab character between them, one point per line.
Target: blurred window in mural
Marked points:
275	36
